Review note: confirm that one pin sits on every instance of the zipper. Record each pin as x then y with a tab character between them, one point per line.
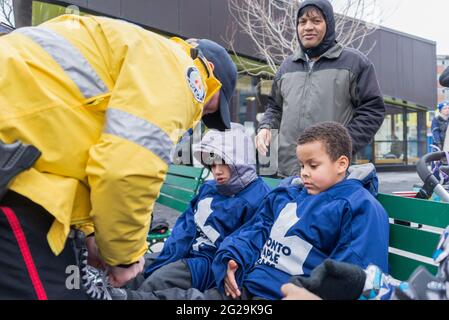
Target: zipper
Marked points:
307	84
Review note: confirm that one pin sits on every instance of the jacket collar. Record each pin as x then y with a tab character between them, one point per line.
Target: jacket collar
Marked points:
333	53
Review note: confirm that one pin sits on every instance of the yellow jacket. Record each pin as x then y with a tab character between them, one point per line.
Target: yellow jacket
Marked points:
106	102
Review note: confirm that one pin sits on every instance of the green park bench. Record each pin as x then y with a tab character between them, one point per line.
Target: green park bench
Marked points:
410	246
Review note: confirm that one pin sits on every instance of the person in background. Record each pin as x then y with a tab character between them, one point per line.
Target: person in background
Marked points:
439	125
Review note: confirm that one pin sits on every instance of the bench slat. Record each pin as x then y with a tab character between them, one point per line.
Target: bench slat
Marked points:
413	240
191	172
157	237
271	182
402	267
434	214
179	194
181	182
172	203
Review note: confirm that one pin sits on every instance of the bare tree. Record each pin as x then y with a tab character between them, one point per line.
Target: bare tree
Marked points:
6	12
271	25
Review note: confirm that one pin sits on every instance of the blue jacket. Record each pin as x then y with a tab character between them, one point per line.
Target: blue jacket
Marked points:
219	209
200	230
439	127
293	232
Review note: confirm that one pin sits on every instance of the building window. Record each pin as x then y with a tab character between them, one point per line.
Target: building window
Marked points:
416	136
401	140
389	141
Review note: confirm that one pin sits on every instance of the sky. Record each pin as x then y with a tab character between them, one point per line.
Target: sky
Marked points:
426	19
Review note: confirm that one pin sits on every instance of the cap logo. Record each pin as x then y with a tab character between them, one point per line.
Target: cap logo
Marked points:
196	84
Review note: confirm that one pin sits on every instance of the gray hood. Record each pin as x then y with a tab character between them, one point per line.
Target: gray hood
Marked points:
235	147
329	38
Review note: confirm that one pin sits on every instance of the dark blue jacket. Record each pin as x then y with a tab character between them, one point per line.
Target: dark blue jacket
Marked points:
439	128
293	232
199	231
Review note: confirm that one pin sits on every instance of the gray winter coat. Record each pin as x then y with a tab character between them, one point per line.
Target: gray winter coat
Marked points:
340	86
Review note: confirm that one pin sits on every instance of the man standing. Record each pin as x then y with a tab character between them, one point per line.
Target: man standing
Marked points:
322	81
105	101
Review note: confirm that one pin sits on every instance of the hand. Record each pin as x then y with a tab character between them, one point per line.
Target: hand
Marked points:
118	276
230	284
292	292
93	255
334	280
263	140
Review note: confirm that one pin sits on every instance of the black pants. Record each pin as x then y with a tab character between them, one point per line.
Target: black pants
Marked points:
28	267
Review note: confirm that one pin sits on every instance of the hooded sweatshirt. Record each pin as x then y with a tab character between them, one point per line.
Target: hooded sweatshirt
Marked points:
217	211
329	38
293	232
340	86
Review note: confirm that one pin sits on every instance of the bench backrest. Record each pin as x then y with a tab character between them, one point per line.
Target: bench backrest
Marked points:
180	186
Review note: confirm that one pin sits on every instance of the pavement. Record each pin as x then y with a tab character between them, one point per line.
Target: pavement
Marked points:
389	182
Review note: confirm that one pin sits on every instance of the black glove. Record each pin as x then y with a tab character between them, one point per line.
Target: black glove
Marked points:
333	280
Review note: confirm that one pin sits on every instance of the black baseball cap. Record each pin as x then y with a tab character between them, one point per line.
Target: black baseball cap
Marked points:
226	72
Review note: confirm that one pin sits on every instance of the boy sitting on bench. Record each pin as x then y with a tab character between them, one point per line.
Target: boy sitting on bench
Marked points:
331	212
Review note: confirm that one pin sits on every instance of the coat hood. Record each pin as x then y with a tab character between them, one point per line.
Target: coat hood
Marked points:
329	39
235	147
366	174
